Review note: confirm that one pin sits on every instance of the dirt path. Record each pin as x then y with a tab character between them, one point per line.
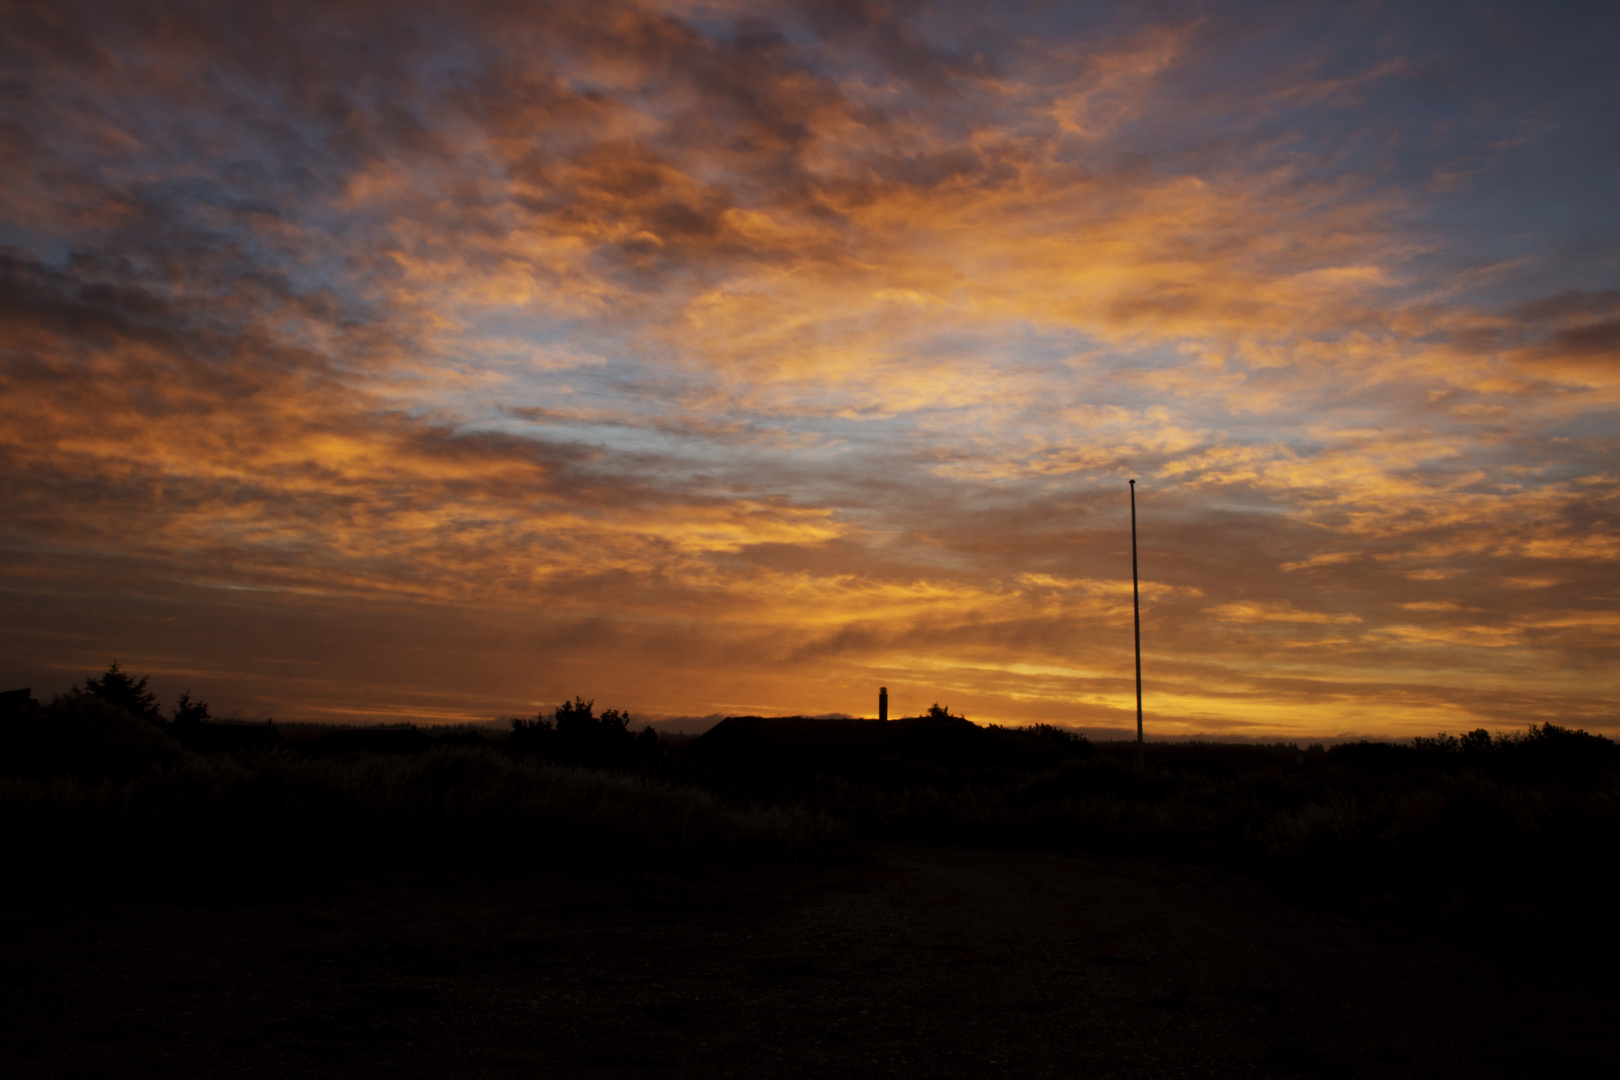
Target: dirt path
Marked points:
930	962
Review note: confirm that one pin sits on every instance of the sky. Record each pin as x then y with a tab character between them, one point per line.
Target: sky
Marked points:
368	361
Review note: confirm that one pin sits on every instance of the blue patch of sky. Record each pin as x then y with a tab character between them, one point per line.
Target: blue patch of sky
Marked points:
47	247
1521	98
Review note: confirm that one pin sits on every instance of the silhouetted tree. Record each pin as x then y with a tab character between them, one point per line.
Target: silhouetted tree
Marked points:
576	735
534	737
187	711
118	689
587	739
575	721
936	711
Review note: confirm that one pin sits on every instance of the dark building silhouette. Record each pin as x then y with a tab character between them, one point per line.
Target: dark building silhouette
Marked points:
883	703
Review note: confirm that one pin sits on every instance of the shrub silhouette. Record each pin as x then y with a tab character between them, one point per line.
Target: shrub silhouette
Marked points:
1063	737
1503	833
575	735
117	689
531	737
85	737
1544	751
265	810
111	793
187	711
1510	836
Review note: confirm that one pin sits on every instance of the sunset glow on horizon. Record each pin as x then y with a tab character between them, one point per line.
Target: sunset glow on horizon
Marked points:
437	363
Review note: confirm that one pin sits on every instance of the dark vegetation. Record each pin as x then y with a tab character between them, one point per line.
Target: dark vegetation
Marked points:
575	735
91	786
1506	838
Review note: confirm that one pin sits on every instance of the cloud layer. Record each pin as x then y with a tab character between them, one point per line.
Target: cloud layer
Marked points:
376	360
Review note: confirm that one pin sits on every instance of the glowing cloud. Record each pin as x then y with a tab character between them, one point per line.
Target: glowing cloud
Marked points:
394	361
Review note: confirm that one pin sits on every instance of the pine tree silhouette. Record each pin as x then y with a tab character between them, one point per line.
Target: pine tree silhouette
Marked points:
187	711
117	688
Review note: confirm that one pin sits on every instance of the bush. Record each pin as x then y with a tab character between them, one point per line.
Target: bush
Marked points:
449	803
187	711
1509	836
576	735
84	783
84	737
119	690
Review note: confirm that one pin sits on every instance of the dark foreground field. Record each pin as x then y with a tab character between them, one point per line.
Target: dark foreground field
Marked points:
796	897
917	961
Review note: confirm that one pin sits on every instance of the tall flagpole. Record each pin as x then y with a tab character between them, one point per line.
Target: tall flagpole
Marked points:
1136	610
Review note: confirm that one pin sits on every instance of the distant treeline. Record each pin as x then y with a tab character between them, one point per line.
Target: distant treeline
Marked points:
1512	837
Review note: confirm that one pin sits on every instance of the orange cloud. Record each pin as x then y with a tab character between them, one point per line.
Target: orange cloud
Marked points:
750	358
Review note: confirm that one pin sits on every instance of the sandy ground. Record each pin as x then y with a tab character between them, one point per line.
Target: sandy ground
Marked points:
927	962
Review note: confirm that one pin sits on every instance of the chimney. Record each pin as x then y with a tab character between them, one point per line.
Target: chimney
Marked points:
883	703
